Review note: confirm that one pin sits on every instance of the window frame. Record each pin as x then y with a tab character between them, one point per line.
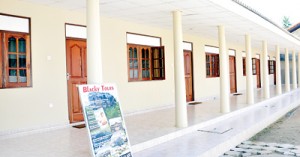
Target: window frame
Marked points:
217	67
163	71
15	31
140	68
271	66
5	67
254	70
142	35
244	66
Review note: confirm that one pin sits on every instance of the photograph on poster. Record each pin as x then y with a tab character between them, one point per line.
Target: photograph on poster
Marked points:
105	122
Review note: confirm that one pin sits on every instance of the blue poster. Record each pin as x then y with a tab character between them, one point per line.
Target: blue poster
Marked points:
104	120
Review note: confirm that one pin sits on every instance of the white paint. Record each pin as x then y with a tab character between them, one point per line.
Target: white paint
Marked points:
224	71
74	31
210	49
278	72
257	56
276	13
265	58
50	105
249	15
294	76
180	94
94	59
244	53
231	52
49	58
113	43
16	24
249	74
287	71
215	50
143	40
187	46
298	69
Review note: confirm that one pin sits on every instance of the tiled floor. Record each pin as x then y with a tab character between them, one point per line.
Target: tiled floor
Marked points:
159	126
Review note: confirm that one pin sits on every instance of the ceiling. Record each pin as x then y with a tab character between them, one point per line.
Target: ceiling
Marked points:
199	17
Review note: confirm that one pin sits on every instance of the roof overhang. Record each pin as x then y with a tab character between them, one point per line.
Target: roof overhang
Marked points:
200	17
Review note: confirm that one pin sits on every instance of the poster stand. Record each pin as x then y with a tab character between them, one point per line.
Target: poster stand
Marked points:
104	120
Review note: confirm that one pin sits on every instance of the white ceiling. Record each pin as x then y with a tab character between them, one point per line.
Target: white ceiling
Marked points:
200	17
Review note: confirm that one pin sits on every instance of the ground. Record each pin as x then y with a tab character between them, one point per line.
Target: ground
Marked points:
281	139
285	130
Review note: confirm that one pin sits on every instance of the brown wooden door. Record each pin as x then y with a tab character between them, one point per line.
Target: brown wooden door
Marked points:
76	74
274	65
232	74
258	73
188	70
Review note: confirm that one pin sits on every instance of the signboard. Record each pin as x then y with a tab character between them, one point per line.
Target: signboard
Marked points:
104	120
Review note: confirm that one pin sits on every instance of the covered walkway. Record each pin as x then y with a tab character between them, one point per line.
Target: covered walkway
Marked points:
210	133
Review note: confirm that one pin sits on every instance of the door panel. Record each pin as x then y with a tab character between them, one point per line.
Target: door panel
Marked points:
1	62
188	75
274	64
76	69
258	73
75	57
232	74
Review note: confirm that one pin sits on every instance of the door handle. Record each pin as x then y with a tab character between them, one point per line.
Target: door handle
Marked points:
68	76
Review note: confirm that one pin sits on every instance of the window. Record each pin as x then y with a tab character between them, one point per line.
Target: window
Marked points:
16	60
244	66
145	63
146	58
15	66
254	66
212	65
271	66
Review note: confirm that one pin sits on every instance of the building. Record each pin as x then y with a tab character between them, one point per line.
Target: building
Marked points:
44	56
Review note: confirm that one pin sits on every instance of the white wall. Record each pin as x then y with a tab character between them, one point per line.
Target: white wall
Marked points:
29	107
25	108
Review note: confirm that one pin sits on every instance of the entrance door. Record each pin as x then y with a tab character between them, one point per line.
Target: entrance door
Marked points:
76	74
232	74
274	65
188	75
258	73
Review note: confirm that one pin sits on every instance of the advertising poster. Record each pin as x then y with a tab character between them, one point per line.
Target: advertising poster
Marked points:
104	120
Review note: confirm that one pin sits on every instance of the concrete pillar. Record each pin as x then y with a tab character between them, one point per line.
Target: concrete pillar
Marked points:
278	71
180	95
249	76
224	72
298	69
266	86
94	59
294	77
287	71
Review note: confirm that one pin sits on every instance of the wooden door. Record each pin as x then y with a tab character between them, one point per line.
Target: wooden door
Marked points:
76	74
188	70
274	65
232	74
258	73
1	61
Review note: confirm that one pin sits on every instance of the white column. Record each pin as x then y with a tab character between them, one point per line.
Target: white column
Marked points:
294	77
180	95
298	69
278	71
249	76
266	87
287	71
94	59
224	72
